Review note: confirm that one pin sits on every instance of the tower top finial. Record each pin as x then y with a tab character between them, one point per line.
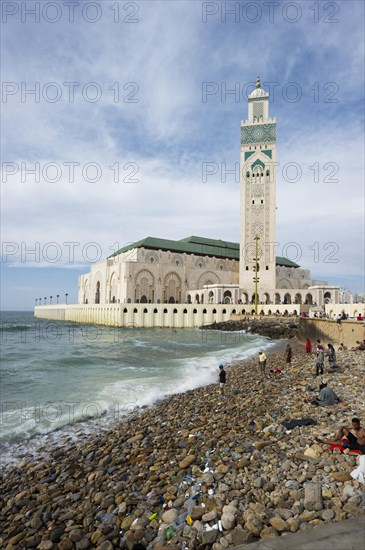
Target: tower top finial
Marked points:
258	83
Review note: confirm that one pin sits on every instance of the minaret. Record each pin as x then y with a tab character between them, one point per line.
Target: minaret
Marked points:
258	194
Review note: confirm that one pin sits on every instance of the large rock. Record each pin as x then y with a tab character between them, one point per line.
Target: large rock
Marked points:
240	536
169	516
279	524
311	452
209	537
185	462
253	523
341	476
228	520
313	496
307	515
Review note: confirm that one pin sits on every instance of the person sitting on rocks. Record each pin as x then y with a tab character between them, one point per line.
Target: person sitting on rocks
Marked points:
355	441
359	346
274	372
326	396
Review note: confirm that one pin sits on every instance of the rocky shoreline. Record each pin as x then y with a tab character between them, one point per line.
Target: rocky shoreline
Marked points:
196	471
271	328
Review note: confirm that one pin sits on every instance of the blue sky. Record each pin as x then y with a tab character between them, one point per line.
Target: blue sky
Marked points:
137	104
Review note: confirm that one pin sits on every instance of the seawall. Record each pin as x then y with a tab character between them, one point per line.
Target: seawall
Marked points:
140	315
329	331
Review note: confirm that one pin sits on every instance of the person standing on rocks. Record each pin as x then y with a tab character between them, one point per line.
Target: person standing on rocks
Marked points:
320	358
308	346
288	354
222	380
331	354
262	363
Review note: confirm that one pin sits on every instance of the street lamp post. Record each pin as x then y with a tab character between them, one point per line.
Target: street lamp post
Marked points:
40	301
57	297
66	297
256	269
36	301
50	299
45	300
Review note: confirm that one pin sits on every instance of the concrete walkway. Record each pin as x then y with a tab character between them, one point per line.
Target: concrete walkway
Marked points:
344	535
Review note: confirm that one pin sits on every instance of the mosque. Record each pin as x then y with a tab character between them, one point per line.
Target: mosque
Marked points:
198	270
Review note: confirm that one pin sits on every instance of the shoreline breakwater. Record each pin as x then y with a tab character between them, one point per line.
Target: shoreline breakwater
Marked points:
196	471
270	328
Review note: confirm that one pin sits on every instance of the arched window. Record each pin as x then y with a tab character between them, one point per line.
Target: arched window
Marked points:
125	310
165	310
145	310
135	310
155	311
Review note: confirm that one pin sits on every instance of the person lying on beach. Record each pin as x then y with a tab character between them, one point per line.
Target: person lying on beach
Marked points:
356	440
358	347
326	396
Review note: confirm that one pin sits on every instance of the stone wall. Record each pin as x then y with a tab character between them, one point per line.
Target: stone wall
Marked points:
329	331
139	315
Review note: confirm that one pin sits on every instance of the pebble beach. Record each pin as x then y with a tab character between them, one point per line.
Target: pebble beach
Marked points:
197	471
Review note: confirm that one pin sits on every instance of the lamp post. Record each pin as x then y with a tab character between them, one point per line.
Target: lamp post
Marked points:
36	301
256	269
66	297
50	299
57	297
45	300
40	301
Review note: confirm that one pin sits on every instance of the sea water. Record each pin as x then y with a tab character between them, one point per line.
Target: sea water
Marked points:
57	376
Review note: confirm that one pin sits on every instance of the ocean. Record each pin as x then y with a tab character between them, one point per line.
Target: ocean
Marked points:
62	381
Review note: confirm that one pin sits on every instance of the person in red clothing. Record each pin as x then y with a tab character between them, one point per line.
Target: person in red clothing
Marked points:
308	346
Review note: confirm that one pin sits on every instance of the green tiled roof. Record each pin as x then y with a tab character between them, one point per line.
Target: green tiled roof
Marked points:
197	245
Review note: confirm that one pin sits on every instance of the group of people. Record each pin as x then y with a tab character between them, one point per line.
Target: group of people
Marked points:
321	353
326	396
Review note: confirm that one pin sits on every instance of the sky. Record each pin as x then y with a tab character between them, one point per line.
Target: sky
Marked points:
121	120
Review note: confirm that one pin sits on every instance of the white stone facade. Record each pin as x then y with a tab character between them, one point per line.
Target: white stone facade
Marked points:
156	276
153	276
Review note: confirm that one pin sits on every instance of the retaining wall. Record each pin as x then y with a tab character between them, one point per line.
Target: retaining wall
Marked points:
329	331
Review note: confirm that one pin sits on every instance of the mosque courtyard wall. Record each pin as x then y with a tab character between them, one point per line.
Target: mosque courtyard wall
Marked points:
171	315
